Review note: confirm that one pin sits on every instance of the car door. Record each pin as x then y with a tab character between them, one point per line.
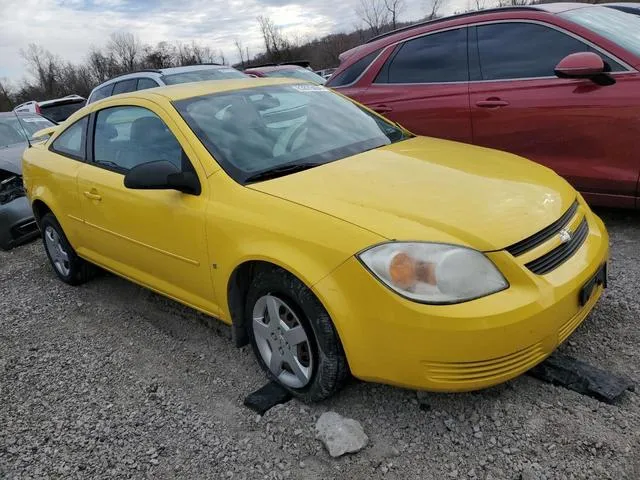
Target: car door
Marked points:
423	85
69	154
584	131
155	237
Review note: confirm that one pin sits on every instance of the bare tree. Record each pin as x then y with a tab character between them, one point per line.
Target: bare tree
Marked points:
6	103
374	13
102	66
477	4
276	44
433	8
395	9
160	56
126	49
43	66
243	61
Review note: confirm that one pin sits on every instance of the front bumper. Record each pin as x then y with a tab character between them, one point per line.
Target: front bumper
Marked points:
17	224
467	346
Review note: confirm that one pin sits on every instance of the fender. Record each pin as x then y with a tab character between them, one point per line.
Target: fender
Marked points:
69	223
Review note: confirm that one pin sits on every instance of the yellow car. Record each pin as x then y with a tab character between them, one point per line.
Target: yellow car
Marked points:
332	240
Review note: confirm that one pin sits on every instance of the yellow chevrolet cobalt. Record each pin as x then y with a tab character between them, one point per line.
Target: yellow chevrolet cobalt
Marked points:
334	241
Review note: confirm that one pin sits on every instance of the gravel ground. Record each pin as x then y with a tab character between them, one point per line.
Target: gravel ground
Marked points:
109	380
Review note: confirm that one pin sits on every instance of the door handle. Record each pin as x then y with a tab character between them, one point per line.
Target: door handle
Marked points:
492	103
92	195
382	109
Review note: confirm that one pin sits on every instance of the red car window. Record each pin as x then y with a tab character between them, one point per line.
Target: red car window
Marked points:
436	58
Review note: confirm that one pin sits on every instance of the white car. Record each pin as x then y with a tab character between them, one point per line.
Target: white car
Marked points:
56	110
150	78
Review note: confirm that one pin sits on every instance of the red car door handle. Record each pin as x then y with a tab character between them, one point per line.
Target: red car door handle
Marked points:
382	108
492	103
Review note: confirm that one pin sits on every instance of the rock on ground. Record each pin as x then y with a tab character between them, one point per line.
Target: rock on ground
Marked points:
340	435
108	380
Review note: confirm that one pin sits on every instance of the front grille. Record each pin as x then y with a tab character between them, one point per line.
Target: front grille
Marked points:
562	253
495	368
543	235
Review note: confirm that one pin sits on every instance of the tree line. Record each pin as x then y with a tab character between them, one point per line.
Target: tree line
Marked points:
53	77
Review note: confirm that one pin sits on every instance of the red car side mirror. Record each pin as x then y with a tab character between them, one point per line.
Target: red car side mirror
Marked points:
580	65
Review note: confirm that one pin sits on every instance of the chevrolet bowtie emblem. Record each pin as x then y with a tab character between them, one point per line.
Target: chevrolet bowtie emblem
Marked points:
565	235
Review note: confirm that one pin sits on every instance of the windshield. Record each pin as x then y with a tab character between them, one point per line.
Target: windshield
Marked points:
202	75
299	73
257	129
12	130
619	27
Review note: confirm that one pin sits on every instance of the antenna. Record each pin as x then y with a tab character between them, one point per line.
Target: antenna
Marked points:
24	130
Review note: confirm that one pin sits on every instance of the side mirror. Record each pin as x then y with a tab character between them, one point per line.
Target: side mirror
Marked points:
584	65
161	175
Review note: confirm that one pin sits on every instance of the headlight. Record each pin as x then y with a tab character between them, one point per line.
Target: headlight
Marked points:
433	272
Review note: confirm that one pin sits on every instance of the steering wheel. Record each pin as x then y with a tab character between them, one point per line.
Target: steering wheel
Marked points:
294	136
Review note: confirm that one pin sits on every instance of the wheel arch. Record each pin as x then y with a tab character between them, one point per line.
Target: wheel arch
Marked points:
40	208
238	286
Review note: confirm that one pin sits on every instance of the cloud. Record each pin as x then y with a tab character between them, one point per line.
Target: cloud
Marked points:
69	28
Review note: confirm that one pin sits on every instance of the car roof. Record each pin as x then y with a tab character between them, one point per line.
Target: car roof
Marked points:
67	99
157	72
621	4
20	114
274	68
187	90
191	68
383	40
556	7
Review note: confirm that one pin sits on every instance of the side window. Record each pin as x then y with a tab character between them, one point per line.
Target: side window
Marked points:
435	58
126	137
144	83
505	50
101	93
125	86
351	74
71	142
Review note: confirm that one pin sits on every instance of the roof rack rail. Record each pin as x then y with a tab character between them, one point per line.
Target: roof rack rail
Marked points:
450	17
154	70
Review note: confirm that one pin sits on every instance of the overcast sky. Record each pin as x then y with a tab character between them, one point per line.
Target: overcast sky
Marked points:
69	28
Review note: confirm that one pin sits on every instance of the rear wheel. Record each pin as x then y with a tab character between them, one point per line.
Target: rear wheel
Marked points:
293	336
69	267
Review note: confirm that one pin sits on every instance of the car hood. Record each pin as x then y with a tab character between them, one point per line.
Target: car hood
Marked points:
433	190
11	157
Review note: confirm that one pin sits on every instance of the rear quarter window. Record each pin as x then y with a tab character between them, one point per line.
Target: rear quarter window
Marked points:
353	72
102	92
71	142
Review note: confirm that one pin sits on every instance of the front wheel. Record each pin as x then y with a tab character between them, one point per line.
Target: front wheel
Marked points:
69	267
293	336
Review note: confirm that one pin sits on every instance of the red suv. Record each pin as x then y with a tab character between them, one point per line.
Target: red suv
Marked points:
556	83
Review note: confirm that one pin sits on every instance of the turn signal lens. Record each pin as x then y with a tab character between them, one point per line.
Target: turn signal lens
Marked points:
402	270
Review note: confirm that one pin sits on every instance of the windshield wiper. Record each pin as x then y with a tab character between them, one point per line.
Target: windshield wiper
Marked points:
280	171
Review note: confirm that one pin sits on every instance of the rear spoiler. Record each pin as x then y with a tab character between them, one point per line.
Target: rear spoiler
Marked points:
45	132
344	55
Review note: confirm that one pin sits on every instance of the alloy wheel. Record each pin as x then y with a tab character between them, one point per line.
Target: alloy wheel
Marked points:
282	341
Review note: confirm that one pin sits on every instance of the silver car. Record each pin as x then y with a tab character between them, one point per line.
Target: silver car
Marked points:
17	224
151	78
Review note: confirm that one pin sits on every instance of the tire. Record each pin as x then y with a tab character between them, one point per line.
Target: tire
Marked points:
320	356
66	263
